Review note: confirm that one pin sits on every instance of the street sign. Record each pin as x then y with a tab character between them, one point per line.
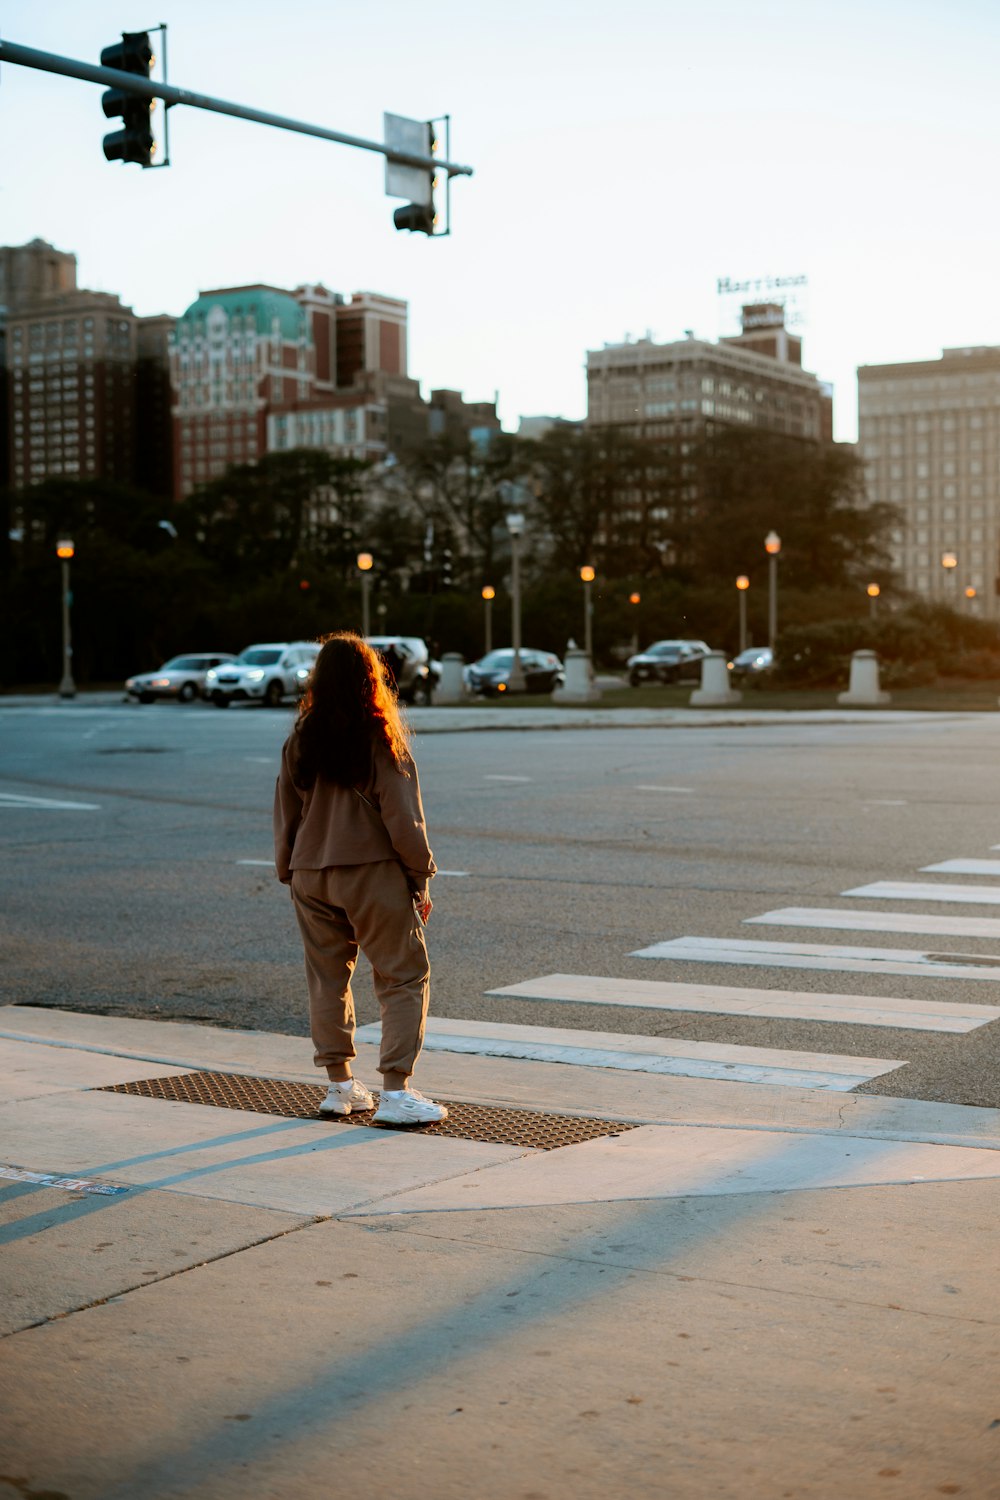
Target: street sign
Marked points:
413	137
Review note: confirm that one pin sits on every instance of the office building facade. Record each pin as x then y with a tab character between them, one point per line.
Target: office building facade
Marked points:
929	435
754	379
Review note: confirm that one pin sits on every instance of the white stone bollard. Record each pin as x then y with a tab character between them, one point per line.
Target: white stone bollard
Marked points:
451	688
715	690
579	686
863	689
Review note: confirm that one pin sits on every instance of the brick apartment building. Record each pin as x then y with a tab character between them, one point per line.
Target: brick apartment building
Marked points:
259	369
74	364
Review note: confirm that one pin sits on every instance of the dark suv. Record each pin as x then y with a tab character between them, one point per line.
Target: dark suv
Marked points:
668	661
416	674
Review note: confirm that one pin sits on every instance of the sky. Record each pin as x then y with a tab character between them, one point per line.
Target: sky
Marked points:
626	156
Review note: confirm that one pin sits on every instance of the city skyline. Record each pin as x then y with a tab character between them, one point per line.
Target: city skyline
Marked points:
622	167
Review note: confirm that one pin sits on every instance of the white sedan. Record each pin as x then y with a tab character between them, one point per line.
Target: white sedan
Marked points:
182	677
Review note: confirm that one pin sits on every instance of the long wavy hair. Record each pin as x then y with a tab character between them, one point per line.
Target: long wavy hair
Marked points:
349	707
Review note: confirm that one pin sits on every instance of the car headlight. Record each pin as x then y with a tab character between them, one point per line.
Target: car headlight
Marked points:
256	675
159	682
211	675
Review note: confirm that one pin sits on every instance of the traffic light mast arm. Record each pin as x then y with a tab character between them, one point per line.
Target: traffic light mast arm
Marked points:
69	67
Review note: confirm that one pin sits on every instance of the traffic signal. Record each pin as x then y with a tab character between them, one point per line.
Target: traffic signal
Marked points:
134	142
419	217
415	217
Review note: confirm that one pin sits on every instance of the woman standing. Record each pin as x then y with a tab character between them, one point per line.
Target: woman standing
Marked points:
350	840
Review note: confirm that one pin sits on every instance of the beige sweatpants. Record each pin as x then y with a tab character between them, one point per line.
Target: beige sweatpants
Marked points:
344	908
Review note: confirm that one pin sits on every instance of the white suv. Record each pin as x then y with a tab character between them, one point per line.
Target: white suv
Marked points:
267	673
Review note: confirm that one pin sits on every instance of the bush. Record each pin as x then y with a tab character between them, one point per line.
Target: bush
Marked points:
914	647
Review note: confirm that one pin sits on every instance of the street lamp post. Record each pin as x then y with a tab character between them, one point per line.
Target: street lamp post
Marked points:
970	595
489	594
365	565
515	526
65	551
635	598
873	593
587	576
772	546
742	584
949	561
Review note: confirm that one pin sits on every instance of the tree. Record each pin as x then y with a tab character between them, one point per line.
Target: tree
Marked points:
749	482
606	497
461	488
264	518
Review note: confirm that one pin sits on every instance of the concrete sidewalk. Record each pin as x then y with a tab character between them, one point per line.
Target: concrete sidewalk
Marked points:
740	1291
540	713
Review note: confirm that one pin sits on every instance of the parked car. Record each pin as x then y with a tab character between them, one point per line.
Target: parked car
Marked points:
667	661
490	676
182	677
267	673
416	674
753	662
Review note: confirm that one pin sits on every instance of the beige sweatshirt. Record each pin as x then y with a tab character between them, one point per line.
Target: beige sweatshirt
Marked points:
334	825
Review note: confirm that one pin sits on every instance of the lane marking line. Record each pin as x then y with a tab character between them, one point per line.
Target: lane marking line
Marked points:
688	789
507	778
12	799
270	863
50	1179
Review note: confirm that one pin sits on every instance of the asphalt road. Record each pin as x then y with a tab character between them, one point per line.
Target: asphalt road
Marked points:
578	847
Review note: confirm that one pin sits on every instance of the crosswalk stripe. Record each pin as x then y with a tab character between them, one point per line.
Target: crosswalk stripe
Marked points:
816	956
828	1072
963	867
915	890
862	919
856	1010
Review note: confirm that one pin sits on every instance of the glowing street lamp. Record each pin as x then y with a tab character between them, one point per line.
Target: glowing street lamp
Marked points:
365	564
772	546
489	594
970	594
635	598
587	576
873	593
515	526
949	561
742	584
65	552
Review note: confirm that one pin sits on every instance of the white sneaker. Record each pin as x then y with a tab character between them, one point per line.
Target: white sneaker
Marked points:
408	1107
346	1099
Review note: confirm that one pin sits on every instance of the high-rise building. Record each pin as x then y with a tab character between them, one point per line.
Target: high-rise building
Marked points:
754	379
929	434
75	364
371	335
31	273
258	368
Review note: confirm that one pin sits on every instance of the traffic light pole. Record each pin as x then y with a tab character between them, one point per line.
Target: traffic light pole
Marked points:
70	67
